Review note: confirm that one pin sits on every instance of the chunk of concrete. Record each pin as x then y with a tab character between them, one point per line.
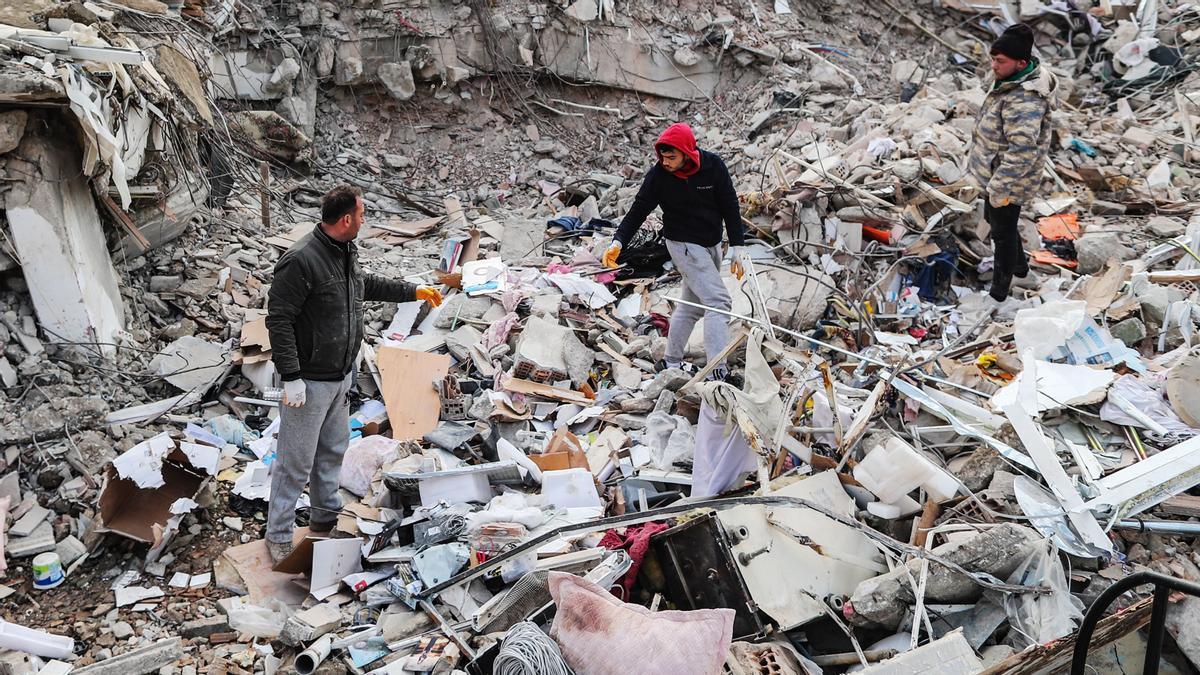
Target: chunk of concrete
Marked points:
686	56
670	379
28	523
282	77
1130	331
584	10
12	129
882	601
40	540
204	627
1095	250
1183	623
948	655
979	468
401	622
310	624
398	79
148	659
69	550
1164	227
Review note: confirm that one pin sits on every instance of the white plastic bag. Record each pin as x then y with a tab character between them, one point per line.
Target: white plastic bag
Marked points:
258	621
721	456
670	439
1036	618
364	457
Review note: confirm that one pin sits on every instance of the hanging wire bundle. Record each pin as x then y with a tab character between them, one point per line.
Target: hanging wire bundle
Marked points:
526	650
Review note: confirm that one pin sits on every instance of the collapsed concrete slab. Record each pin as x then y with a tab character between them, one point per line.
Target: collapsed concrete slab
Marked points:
60	241
883	600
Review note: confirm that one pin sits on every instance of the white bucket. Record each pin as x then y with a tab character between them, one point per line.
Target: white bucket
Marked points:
47	571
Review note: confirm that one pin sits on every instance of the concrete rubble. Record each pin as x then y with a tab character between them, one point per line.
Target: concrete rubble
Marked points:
930	483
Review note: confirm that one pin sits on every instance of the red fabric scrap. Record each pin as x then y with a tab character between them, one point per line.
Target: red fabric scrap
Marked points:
635	541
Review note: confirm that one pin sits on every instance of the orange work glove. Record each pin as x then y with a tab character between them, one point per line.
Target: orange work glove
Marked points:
429	294
611	255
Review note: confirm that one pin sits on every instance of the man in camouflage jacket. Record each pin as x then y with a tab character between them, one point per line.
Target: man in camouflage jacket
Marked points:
1009	146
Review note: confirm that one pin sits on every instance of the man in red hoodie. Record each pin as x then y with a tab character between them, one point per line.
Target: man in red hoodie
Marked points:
696	194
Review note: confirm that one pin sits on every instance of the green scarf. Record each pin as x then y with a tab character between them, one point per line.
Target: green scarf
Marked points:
1017	77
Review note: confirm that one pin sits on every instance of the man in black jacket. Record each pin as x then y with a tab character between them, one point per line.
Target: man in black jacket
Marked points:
696	194
315	319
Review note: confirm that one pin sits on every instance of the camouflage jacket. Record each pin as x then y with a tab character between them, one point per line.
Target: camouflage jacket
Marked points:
1012	137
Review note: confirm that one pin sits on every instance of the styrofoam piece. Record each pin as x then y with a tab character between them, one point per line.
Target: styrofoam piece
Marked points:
901	508
892	470
39	643
570	488
456	489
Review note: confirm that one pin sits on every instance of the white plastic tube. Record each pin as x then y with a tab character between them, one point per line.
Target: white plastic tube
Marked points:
36	642
308	660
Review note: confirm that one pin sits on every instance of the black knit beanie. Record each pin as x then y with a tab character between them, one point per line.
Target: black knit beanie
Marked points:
1016	42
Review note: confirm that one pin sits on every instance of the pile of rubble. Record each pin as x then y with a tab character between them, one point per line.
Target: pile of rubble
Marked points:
910	479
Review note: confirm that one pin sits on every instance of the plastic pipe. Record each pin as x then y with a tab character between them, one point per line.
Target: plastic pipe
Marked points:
308	660
36	642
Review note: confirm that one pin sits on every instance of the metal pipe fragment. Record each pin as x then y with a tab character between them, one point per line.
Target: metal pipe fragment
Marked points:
850	658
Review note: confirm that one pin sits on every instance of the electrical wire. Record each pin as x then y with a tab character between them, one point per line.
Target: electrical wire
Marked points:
526	650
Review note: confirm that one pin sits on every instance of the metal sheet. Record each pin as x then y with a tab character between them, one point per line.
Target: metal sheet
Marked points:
789	580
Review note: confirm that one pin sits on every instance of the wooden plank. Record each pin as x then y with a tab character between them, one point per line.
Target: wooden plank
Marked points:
859	426
413	404
1174	276
928	517
617	356
1182	505
740	335
518	386
1055	657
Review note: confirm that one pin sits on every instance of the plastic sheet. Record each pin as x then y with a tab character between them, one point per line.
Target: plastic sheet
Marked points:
510	507
1041	618
259	621
722	457
1148	395
364	456
670	438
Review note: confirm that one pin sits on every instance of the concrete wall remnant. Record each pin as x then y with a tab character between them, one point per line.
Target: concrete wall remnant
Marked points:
60	241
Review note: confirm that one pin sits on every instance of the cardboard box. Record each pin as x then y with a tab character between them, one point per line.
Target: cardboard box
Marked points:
148	490
563	451
558	461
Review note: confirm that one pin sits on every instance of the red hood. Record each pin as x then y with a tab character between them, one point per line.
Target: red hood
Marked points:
680	137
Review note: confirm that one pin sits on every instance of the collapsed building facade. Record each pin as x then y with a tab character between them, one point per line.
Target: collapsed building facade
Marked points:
930	486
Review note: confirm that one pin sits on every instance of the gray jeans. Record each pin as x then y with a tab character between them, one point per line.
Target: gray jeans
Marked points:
312	442
701	270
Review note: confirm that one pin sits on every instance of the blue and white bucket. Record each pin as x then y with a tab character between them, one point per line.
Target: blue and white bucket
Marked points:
47	571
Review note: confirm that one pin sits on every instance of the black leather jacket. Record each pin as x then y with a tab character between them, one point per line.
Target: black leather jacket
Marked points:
315	307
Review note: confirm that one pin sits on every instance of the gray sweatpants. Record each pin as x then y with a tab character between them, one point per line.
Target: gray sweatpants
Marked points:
312	442
701	270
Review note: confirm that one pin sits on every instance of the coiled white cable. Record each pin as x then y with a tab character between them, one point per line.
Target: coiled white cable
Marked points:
526	650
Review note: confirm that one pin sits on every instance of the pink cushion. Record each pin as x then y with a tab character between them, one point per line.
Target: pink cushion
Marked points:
600	635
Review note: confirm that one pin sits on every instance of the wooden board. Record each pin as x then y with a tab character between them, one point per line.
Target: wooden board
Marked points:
528	388
412	402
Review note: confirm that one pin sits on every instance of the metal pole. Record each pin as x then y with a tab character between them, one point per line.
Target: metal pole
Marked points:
264	171
1158	626
1166	526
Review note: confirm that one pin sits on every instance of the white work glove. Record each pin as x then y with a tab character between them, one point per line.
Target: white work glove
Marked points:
739	261
293	392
